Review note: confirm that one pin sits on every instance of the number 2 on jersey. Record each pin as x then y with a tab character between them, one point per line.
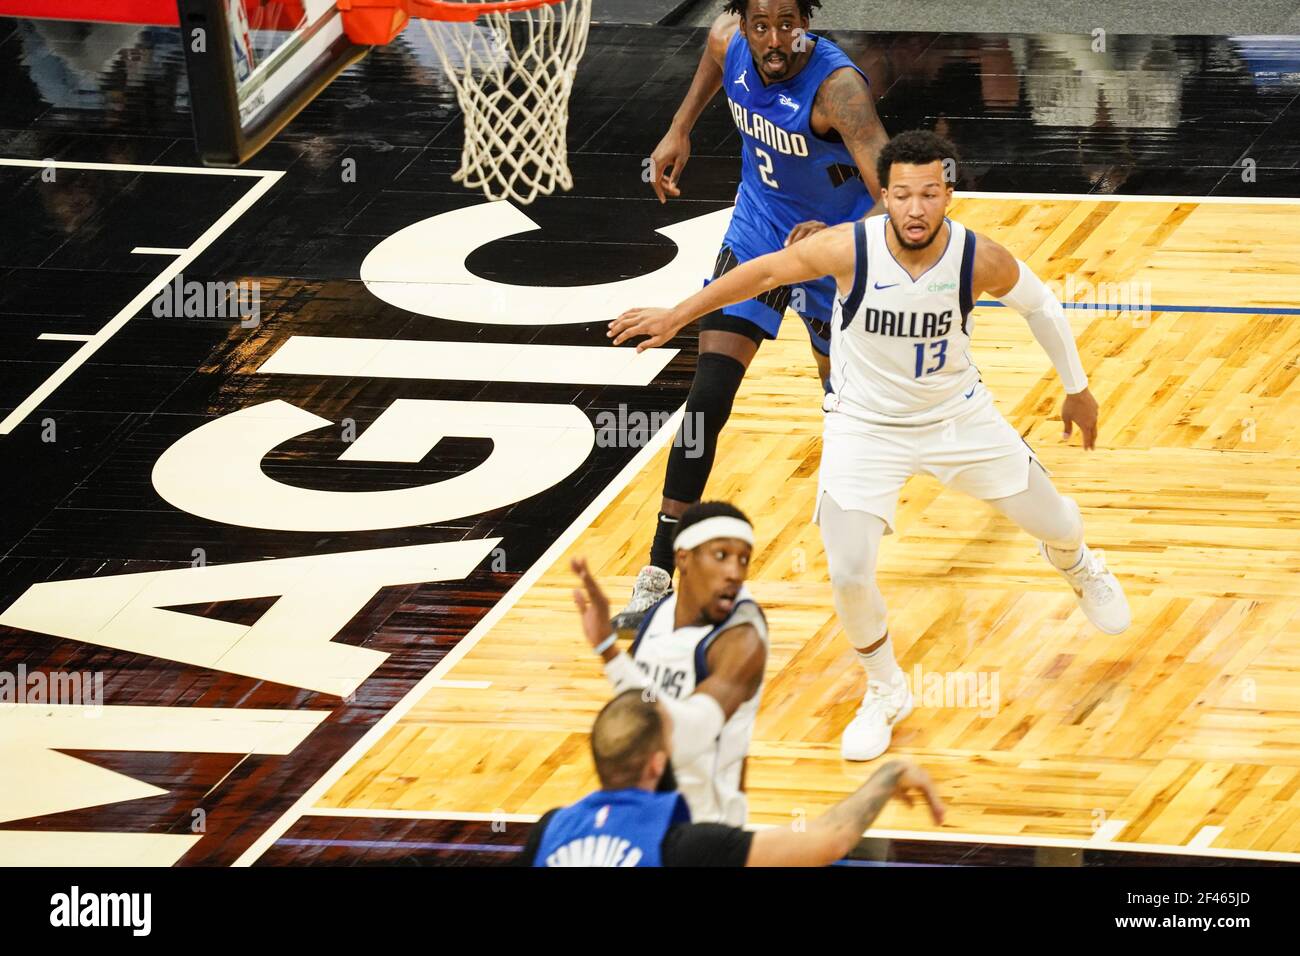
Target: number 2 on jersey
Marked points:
941	356
765	168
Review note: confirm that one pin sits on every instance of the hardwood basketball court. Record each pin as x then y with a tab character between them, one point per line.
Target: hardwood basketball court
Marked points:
1183	732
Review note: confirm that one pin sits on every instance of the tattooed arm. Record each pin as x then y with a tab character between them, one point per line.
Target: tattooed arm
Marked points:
844	104
837	831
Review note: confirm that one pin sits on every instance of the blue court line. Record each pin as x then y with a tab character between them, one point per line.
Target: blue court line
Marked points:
403	845
1228	309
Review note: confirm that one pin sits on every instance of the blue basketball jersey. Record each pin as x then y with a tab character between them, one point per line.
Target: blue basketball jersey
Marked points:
789	174
611	828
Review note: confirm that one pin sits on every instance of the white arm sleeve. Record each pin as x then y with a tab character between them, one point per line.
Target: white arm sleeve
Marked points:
697	723
697	720
624	674
1047	321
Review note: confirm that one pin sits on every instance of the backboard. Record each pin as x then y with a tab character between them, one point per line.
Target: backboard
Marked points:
253	64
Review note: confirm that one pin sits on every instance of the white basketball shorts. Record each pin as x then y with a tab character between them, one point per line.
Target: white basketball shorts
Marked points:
975	450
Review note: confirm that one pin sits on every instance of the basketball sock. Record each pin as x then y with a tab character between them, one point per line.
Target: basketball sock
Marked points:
661	552
1067	560
1068	551
826	385
708	406
880	664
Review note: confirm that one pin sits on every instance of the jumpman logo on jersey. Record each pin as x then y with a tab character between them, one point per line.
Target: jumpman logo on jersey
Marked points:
741	79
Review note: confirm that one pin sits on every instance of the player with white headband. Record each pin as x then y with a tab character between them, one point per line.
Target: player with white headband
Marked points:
700	651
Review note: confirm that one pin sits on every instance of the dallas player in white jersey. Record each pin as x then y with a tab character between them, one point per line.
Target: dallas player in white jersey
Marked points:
700	652
907	399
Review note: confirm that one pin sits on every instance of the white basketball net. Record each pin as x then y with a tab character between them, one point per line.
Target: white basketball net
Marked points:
513	88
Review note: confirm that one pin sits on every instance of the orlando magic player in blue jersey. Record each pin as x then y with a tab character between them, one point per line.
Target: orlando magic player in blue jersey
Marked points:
637	818
809	141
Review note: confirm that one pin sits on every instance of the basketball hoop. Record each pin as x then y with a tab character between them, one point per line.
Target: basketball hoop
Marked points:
512	64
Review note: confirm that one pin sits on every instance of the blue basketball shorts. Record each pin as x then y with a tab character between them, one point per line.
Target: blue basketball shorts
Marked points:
761	317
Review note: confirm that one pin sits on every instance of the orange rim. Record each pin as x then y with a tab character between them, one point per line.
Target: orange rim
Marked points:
464	12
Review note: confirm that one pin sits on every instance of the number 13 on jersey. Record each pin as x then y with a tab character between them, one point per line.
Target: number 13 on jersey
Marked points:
938	355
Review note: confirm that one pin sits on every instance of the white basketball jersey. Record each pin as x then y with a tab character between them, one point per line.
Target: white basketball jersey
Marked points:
676	661
900	347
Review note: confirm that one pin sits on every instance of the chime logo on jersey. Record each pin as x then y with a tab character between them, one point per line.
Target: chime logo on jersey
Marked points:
905	325
765	131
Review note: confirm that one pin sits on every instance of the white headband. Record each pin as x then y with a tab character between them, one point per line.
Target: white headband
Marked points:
710	528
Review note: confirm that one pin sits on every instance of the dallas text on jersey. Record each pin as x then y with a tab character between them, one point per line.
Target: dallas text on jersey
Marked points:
907	325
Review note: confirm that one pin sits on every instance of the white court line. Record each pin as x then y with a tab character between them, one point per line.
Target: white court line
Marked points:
1107	832
64	337
465	816
1205	836
1102	197
157	251
318	355
465	644
1192	849
134	168
91	345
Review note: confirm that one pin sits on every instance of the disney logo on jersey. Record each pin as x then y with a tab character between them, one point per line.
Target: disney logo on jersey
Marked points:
666	680
786	101
759	127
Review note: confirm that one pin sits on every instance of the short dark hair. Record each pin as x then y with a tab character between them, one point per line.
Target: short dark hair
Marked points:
708	509
627	732
916	147
741	7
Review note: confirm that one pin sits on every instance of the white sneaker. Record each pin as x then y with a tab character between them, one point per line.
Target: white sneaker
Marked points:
885	703
651	584
1098	591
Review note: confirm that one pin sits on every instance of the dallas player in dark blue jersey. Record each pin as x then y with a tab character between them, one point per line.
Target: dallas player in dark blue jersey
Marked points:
810	137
